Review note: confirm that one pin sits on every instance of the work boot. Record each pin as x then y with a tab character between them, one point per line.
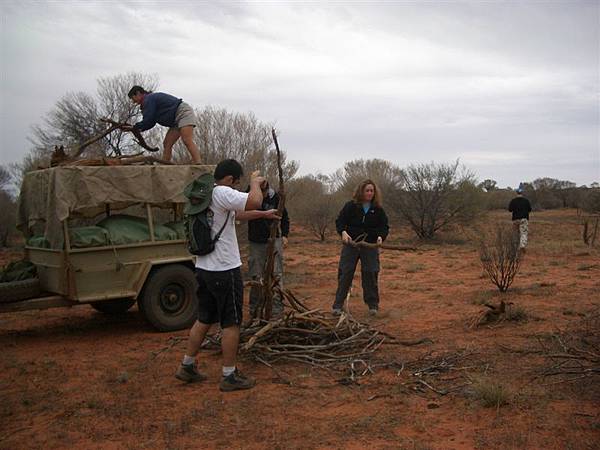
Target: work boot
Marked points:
336	311
373	312
236	382
189	373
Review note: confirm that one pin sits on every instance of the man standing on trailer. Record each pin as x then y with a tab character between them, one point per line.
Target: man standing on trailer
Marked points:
168	111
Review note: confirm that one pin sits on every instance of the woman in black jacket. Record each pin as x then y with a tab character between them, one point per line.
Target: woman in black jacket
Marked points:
362	216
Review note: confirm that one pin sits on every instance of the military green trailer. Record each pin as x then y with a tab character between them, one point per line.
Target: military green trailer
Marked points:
88	247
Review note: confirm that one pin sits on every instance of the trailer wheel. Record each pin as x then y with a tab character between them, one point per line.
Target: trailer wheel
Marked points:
118	306
13	291
168	300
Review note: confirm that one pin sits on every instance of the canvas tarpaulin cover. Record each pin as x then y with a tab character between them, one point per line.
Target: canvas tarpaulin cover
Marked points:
50	196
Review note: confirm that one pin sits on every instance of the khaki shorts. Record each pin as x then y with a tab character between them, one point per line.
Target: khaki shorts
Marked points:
185	116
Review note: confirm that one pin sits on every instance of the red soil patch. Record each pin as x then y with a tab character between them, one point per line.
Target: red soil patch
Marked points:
74	378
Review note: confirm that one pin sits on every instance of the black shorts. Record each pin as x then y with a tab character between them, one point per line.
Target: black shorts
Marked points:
220	297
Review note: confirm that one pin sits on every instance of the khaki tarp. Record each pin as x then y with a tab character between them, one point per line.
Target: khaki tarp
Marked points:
50	196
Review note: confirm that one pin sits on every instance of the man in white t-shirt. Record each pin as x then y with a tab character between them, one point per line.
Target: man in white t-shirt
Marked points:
220	286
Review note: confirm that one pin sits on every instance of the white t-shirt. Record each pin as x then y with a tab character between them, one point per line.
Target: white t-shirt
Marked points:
226	254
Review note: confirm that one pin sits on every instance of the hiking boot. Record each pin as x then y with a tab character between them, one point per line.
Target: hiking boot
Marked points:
189	373
236	382
336	311
373	312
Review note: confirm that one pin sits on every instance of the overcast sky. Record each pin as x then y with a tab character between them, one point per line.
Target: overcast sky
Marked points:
510	88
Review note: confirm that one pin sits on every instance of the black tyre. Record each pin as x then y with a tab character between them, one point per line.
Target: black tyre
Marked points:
117	306
13	291
168	300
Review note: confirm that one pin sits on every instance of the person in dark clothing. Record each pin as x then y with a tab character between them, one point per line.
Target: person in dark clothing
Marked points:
520	209
363	216
259	231
168	111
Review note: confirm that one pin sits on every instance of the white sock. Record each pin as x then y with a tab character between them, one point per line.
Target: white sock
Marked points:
188	360
228	370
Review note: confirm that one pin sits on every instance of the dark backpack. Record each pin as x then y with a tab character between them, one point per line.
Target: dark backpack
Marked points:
198	216
197	232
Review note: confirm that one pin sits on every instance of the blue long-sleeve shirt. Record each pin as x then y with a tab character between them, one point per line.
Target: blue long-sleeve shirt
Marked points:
158	108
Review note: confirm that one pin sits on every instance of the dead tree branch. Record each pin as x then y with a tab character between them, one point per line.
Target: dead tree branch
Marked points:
136	133
269	283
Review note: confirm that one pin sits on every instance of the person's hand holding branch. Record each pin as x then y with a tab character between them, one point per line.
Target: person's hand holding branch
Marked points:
346	239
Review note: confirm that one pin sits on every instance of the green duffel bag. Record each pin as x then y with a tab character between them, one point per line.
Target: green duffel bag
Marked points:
123	229
178	228
38	242
80	237
83	237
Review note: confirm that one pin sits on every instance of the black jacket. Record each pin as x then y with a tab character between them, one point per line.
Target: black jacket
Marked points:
353	220
259	229
520	208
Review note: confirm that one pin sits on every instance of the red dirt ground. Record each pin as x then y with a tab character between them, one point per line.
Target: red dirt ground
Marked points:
74	378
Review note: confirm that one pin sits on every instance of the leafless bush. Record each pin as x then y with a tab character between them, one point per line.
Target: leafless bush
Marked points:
500	256
433	196
385	174
222	134
311	203
591	202
590	230
498	198
590	216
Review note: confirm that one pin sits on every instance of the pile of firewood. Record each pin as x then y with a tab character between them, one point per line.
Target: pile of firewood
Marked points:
312	337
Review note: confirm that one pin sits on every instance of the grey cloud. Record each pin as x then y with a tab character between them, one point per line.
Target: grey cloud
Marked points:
510	88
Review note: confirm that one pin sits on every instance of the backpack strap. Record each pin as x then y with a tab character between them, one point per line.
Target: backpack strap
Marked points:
218	235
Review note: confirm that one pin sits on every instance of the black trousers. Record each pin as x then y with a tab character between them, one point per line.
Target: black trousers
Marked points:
369	269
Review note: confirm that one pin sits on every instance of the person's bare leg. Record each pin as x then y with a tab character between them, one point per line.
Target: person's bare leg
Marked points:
168	143
187	135
230	340
197	335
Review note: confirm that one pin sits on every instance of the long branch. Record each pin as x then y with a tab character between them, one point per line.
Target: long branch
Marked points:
79	150
266	298
136	133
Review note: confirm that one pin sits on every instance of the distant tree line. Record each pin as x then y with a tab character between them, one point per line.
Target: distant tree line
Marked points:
543	193
425	197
